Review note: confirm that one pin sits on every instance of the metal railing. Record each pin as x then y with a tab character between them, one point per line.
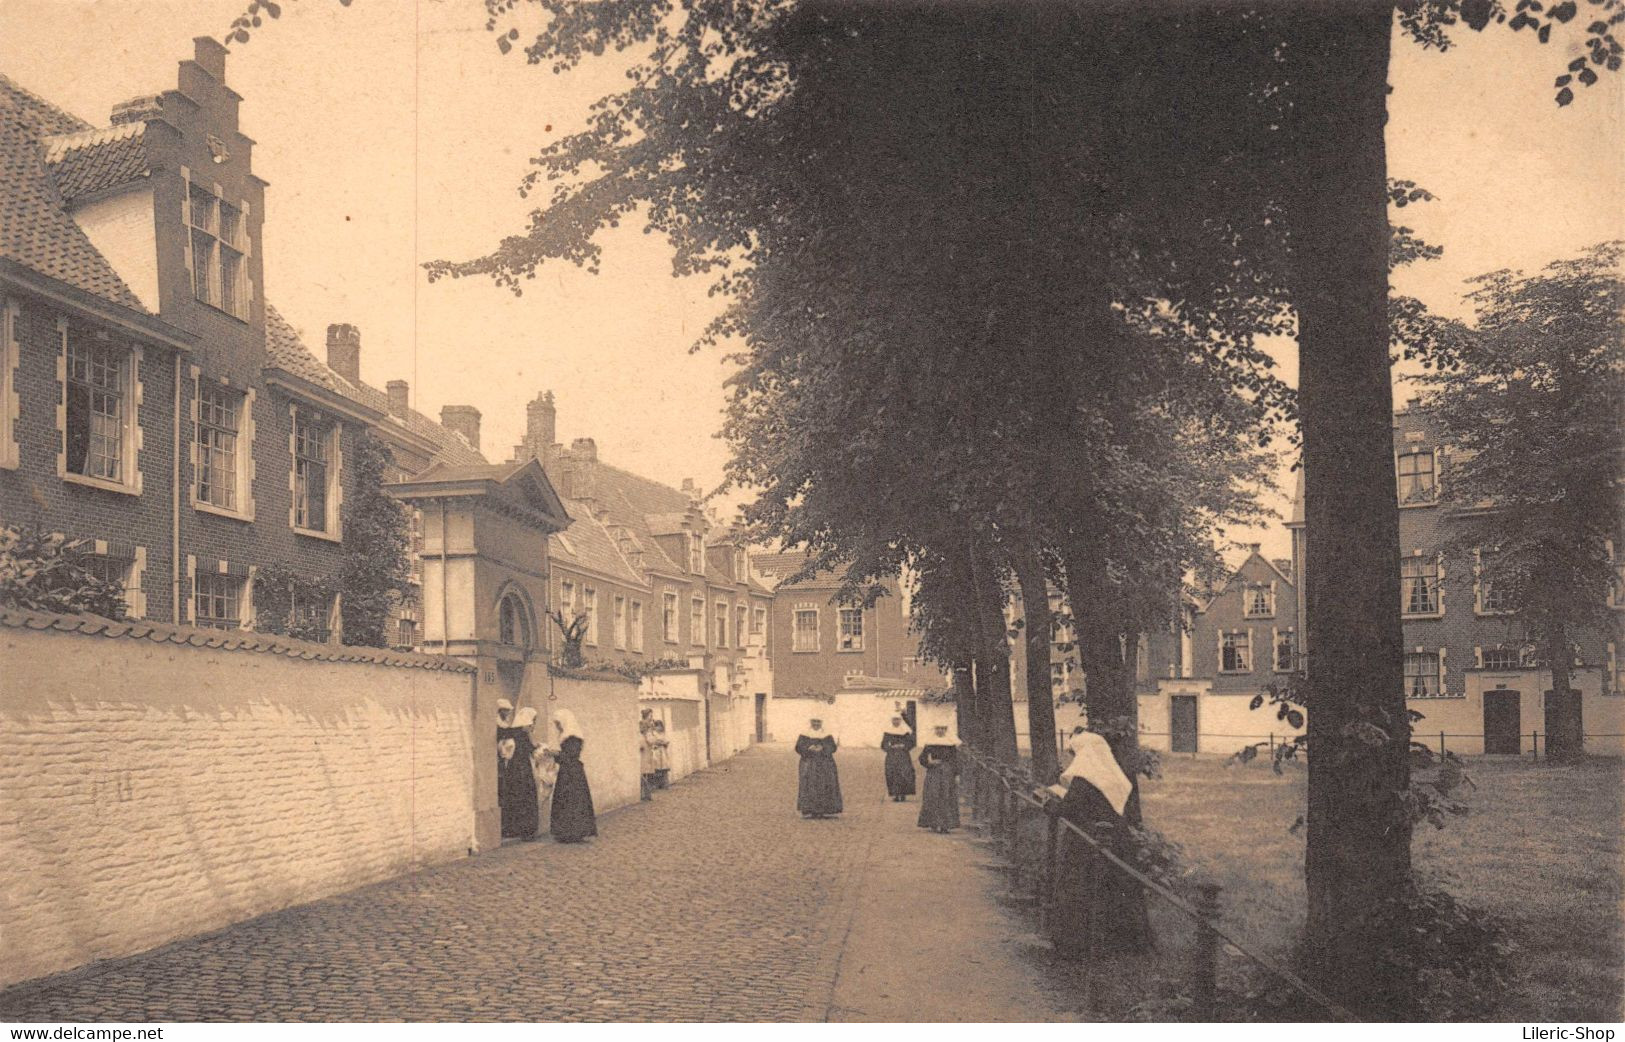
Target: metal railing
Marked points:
1002	795
1529	743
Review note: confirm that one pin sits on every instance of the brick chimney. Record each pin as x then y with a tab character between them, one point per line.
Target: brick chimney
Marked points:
344	351
464	419
137	110
541	425
397	397
585	450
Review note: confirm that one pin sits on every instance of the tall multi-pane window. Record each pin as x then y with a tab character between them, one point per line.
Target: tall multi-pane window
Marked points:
741	621
696	553
1422	675
312	471
589	605
1492	596
620	622
1286	647
1417	481
218	601
804	633
851	630
98	409
1236	651
219	247
696	621
219	425
1419	585
634	620
668	617
722	624
758	622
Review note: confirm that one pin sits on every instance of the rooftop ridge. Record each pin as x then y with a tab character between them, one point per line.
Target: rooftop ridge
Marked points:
224	640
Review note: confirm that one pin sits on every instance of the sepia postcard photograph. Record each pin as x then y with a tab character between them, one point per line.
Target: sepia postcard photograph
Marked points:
767	512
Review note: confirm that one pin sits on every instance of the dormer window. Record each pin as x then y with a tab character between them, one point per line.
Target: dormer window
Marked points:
1260	600
696	553
217	250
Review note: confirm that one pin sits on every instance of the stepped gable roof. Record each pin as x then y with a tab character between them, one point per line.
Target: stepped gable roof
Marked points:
36	230
285	350
92	161
589	546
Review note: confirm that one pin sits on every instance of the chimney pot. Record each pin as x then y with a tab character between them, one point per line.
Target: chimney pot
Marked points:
344	351
541	420
397	397
465	420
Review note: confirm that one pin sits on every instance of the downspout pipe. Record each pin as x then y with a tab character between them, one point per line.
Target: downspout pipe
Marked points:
175	505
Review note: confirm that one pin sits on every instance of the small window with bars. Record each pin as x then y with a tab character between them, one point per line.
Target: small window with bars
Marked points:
218	601
1501	658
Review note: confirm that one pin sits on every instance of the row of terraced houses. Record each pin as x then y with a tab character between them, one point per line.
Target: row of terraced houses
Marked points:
155	404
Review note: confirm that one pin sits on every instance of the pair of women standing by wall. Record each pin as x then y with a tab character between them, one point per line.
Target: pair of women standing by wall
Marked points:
524	769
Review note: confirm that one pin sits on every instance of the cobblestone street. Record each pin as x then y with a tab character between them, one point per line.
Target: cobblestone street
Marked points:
714	902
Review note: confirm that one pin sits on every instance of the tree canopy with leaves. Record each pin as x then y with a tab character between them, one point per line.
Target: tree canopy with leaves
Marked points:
1529	403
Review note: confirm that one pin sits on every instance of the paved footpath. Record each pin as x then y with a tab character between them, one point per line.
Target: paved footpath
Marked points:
716	902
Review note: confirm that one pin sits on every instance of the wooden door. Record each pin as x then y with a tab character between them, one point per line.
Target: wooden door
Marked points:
1182	723
1502	715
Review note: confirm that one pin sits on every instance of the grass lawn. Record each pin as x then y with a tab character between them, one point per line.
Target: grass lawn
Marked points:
1541	848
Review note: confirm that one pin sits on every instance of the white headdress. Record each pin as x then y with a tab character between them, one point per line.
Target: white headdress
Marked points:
824	731
951	738
568	727
525	717
1093	762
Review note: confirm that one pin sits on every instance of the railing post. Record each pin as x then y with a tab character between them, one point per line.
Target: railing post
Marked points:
1014	849
1052	854
1441	743
1534	737
1205	965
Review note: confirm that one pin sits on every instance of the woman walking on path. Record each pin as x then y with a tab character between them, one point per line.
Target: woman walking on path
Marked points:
939	806
1092	792
819	793
516	777
573	819
899	765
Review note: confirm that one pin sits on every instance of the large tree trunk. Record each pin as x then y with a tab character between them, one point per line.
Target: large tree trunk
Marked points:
1359	837
1036	627
1114	713
998	721
1565	733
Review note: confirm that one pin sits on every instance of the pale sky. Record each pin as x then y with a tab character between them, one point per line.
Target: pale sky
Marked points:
393	133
